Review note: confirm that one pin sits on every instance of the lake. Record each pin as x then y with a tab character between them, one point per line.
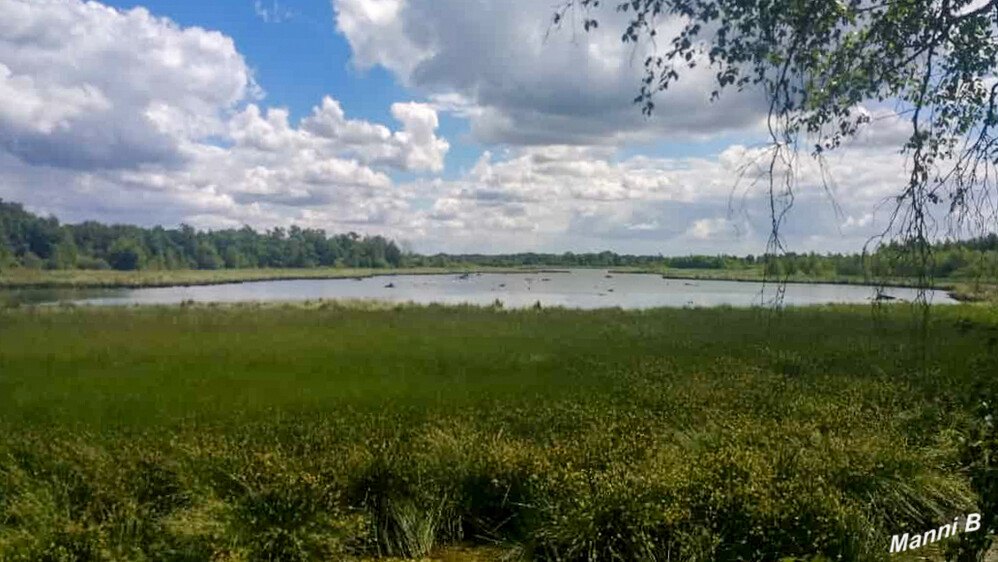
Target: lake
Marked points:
578	288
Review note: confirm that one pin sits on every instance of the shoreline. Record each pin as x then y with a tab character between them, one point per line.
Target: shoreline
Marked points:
95	279
953	289
306	275
381	305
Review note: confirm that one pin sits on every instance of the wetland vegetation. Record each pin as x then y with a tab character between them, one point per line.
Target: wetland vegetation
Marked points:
335	431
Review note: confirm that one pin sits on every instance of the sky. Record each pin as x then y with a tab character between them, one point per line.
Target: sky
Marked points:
450	125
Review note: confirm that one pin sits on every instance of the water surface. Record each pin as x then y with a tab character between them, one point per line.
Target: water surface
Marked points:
579	288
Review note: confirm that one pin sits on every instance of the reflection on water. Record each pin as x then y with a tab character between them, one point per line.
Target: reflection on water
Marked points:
580	288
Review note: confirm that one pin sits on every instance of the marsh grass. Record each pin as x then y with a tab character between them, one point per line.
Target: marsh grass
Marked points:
964	289
336	431
82	278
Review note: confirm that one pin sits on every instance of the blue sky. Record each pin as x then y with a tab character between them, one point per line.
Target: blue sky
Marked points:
453	129
299	59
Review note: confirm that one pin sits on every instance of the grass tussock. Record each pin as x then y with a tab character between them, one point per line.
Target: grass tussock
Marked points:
338	432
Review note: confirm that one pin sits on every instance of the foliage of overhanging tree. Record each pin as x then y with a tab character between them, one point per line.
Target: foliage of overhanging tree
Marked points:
818	62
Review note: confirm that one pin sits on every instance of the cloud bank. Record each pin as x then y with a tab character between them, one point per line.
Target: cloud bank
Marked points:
124	116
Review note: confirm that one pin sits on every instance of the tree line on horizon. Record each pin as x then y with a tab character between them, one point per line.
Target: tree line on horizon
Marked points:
30	241
27	240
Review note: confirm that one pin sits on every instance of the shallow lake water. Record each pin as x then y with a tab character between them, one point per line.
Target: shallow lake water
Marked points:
578	288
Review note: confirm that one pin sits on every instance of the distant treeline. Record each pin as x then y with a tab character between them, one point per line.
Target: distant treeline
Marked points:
977	257
973	258
27	240
567	259
31	241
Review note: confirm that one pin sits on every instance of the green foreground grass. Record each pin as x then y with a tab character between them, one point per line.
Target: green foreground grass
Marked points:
332	432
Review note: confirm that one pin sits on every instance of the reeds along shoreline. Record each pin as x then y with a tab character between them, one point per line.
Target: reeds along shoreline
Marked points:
109	279
963	290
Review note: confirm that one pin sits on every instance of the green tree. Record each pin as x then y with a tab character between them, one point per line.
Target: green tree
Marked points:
234	259
6	255
186	239
393	255
66	255
207	256
775	267
126	254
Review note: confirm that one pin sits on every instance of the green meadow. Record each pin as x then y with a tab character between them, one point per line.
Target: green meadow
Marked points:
332	431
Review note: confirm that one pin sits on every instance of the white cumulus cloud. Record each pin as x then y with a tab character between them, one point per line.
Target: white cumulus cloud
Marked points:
495	63
88	86
121	115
